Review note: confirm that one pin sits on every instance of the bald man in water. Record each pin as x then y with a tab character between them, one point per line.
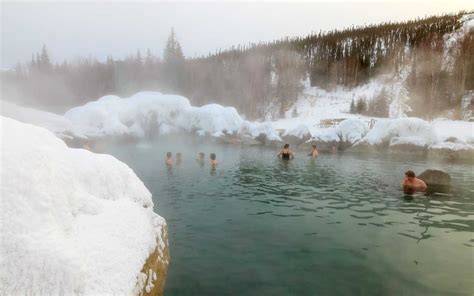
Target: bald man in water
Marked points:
411	184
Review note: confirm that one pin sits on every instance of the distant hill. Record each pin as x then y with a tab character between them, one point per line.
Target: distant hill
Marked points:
429	60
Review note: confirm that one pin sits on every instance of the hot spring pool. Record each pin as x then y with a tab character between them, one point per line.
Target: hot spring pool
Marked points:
335	226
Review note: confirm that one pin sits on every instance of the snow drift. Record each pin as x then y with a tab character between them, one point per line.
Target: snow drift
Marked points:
73	222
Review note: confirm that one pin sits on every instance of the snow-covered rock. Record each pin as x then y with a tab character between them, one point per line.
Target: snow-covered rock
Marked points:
73	222
297	135
152	112
351	130
409	130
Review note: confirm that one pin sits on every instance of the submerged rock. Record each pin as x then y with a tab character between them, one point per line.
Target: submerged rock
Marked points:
436	180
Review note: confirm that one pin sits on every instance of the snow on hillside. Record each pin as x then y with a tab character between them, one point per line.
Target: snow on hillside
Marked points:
73	222
451	41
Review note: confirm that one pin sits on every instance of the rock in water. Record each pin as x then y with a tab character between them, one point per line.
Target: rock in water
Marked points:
436	180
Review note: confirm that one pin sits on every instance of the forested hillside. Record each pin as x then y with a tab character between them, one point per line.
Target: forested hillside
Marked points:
432	58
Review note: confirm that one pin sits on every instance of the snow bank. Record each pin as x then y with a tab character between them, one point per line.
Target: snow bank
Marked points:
73	222
211	119
301	131
405	129
152	112
50	121
463	131
351	130
135	116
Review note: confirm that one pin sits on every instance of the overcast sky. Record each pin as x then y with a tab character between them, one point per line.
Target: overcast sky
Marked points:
72	30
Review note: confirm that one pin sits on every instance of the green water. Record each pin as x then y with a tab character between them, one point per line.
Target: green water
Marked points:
335	226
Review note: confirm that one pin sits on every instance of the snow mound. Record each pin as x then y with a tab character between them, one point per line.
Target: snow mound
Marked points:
301	131
152	112
351	130
405	129
255	129
211	119
83	224
135	116
463	131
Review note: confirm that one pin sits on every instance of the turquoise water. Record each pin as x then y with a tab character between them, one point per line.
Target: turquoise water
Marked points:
335	226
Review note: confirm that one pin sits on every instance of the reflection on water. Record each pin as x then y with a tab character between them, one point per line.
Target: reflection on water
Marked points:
256	225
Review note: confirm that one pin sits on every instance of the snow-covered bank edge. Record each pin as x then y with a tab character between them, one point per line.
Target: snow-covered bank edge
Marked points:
83	224
146	115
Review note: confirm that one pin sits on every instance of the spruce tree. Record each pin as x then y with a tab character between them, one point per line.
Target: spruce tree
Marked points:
45	63
352	108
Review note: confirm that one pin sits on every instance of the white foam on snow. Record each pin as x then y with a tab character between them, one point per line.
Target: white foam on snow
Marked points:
73	222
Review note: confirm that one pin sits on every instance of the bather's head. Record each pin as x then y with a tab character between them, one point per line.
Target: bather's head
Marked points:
213	156
286	146
169	155
201	155
314	146
410	175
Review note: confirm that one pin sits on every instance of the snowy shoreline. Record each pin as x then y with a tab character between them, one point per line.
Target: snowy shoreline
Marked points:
146	115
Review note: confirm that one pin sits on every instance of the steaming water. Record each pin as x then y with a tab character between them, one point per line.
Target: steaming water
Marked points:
338	225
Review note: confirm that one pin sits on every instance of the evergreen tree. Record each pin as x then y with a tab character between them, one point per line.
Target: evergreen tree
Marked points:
361	106
44	61
173	63
352	108
379	105
173	52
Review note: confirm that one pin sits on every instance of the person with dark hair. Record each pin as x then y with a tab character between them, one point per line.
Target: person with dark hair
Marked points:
214	161
412	184
178	158
286	153
169	159
314	152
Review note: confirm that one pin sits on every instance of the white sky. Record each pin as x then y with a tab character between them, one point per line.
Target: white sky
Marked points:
80	29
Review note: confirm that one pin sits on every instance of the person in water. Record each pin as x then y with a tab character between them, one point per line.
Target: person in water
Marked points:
214	161
178	158
314	152
200	158
169	159
286	152
411	184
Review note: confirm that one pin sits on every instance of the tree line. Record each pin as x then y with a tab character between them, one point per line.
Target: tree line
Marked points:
264	79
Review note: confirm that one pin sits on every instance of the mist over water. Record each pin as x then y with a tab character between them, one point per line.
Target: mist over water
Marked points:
337	225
